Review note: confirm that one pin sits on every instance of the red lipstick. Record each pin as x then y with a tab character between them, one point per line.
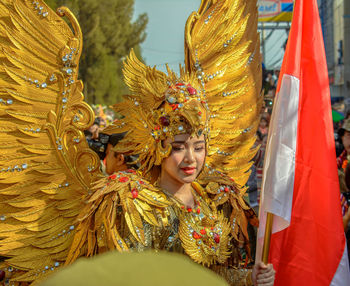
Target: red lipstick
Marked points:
188	170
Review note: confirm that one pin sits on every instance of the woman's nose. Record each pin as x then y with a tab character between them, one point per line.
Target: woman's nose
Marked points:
189	156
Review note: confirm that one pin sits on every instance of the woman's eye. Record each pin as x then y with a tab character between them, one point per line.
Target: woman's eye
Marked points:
177	148
200	148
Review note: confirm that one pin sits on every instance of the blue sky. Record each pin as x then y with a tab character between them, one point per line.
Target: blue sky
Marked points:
165	30
165	33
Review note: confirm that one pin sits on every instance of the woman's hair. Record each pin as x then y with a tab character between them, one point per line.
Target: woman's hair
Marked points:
128	159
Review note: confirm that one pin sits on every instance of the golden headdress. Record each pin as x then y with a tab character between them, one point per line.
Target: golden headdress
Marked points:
217	94
161	106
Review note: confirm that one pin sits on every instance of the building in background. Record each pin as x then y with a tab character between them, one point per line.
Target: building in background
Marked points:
346	48
275	17
326	15
335	19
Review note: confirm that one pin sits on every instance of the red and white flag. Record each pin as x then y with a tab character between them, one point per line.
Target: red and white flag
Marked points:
300	181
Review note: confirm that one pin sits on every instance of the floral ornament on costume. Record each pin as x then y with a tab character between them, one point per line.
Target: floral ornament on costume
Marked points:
205	241
205	232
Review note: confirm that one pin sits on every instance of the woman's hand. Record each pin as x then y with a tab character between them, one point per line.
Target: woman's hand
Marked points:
263	274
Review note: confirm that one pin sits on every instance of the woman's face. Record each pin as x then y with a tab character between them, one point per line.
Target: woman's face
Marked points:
263	123
186	159
346	141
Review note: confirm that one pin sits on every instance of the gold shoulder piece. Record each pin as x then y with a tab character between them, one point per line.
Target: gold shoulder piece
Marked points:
136	200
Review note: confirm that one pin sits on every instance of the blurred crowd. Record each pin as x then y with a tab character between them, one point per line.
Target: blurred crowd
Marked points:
103	117
269	85
341	123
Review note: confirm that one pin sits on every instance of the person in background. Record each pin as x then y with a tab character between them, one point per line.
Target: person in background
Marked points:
114	161
259	162
264	126
93	132
276	76
344	176
344	135
252	185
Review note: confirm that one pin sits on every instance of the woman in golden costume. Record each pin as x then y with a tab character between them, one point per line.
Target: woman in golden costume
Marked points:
193	135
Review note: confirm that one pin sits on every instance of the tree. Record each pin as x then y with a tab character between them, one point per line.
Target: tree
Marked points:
109	35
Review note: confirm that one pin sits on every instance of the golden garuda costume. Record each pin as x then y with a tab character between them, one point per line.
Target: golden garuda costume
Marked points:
56	206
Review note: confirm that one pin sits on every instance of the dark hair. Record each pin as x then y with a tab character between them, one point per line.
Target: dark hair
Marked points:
99	145
128	159
341	132
97	121
260	136
115	138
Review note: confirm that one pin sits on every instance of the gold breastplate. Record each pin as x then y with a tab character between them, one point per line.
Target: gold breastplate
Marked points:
201	232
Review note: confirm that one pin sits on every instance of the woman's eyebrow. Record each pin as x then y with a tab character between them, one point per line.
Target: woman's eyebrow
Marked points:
184	142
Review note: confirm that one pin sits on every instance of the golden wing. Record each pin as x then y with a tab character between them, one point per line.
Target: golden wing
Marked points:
122	198
46	167
222	49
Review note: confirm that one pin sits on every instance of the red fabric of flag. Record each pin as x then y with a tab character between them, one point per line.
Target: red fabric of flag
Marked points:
310	249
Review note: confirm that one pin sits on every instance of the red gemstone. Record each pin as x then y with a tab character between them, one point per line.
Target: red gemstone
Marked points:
202	231
182	207
141	182
226	189
189	210
198	211
199	113
123	179
191	90
196	235
216	238
134	193
131	171
180	84
112	177
164	121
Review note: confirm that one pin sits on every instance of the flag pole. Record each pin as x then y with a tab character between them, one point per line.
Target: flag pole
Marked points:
267	238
